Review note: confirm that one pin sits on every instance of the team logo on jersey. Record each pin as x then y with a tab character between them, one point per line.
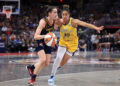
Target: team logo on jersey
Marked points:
66	28
49	29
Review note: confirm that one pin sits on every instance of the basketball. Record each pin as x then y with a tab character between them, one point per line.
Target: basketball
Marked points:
50	39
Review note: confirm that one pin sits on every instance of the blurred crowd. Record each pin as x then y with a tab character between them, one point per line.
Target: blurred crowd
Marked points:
16	34
106	42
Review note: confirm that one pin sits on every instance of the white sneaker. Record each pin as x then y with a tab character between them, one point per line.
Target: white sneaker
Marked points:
51	81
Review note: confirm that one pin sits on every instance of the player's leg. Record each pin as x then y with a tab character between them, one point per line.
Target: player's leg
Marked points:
70	50
60	53
31	68
47	62
65	58
38	66
44	60
48	55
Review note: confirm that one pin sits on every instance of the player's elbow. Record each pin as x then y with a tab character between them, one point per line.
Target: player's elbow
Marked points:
35	37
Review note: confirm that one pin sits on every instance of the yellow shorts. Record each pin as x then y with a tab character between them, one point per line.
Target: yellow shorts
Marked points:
71	46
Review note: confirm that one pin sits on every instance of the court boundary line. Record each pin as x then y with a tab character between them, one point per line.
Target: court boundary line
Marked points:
60	75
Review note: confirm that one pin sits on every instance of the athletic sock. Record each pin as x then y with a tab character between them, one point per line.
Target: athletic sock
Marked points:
56	64
34	76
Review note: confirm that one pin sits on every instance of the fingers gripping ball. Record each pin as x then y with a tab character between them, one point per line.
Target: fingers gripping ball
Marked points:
50	39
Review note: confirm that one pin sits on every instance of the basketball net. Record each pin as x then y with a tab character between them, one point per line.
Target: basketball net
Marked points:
8	13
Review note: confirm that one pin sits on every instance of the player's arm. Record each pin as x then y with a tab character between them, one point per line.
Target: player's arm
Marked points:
58	23
84	24
40	27
56	26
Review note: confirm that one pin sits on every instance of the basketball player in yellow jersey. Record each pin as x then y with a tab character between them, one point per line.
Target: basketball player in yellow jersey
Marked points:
68	42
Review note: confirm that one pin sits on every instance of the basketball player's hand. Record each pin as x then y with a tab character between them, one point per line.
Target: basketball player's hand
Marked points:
100	28
59	21
46	36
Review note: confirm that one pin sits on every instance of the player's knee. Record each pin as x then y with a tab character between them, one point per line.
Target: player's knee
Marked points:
46	64
43	60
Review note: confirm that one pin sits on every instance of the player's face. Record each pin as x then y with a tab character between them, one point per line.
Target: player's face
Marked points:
54	14
65	16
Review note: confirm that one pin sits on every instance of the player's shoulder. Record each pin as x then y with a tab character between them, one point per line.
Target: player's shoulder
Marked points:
42	21
74	20
59	21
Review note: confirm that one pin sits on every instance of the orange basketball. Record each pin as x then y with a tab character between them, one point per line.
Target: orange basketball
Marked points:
50	39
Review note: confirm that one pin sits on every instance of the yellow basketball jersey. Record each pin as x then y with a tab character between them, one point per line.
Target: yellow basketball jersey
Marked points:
68	36
68	33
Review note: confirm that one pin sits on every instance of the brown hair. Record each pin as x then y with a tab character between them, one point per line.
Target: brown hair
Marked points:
50	9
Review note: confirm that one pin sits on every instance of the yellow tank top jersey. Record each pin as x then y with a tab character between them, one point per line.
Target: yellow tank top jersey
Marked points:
68	37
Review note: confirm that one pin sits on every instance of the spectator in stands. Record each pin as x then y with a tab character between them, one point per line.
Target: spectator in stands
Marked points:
23	45
102	43
16	43
116	42
2	43
95	41
82	45
111	41
4	28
